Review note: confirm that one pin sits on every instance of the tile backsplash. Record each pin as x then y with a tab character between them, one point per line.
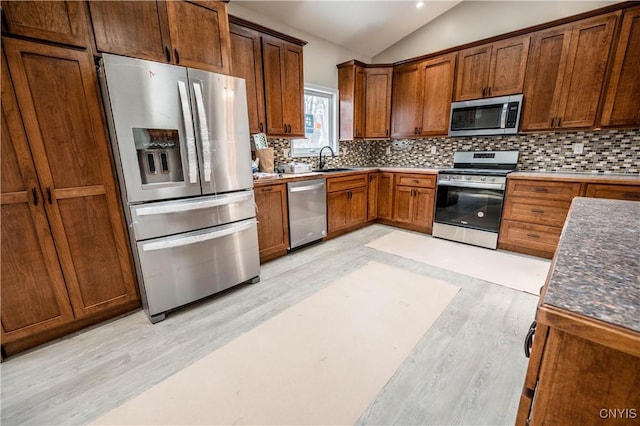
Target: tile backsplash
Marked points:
604	151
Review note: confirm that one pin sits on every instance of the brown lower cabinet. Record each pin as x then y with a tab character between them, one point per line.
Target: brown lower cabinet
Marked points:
372	196
574	380
414	201
273	220
346	203
385	197
65	257
535	210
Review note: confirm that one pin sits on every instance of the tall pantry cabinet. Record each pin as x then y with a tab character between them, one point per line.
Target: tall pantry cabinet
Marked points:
65	257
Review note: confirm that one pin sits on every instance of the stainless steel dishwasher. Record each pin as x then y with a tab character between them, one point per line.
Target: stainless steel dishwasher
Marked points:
307	201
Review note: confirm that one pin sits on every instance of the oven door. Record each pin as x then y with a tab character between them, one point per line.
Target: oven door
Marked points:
469	207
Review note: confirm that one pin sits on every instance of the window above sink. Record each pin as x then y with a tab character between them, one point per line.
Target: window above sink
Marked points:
321	119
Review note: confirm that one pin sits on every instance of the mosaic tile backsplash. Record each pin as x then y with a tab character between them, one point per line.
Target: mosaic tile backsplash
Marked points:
605	151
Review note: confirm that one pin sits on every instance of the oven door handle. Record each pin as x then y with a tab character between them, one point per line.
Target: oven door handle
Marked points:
478	185
197	204
193	239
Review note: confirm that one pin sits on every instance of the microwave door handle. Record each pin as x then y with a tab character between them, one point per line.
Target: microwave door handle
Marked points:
192	239
503	117
192	159
204	131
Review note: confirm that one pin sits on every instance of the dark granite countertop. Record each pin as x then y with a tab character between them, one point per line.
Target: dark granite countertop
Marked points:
597	266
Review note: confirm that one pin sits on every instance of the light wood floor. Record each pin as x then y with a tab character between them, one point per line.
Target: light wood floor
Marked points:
467	369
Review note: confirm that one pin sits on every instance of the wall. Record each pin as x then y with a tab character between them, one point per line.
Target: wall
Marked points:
320	56
476	20
605	151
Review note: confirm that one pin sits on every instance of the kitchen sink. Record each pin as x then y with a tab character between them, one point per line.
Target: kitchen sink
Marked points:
336	169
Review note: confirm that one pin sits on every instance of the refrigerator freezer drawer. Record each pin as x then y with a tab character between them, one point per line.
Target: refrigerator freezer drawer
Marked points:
184	268
161	218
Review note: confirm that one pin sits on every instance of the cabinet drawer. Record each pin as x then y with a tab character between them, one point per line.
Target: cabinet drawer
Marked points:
540	211
346	182
416	180
564	191
616	192
538	237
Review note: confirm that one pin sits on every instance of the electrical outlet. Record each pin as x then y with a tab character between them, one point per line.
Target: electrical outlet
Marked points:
433	149
388	150
578	147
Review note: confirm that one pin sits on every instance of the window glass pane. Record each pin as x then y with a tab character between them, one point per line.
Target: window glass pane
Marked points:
319	123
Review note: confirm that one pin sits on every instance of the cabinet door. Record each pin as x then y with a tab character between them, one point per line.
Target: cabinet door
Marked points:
406	100
372	196
57	21
273	63
385	196
377	103
246	62
337	211
200	34
293	94
508	66
34	296
357	206
133	28
622	103
438	87
273	223
359	100
545	73
351	84
422	214
584	75
473	73
403	204
57	89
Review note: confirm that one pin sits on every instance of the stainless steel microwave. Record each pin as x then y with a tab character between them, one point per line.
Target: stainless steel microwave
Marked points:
492	116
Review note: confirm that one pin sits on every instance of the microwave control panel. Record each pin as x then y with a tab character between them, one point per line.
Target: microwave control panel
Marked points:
512	115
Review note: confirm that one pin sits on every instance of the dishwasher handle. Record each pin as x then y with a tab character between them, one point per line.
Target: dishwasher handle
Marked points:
307	188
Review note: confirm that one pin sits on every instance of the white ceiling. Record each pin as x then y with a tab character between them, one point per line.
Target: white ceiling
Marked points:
362	26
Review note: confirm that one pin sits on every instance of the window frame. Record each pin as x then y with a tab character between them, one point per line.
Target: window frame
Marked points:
332	95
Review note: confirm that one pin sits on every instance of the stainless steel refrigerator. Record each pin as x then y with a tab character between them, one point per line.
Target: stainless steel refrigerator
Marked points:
181	143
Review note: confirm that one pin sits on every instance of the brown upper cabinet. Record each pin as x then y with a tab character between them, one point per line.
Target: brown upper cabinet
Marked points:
377	105
495	69
622	103
55	21
283	87
188	33
421	98
272	65
365	100
246	62
565	74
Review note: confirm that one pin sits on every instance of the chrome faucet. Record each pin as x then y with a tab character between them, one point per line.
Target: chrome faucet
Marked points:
320	162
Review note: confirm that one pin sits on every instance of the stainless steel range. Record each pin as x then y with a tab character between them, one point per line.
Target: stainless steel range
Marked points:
470	196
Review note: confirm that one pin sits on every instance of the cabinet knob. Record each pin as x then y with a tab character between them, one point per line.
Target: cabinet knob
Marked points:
489	91
177	55
559	121
35	196
261	129
49	195
553	120
167	53
268	189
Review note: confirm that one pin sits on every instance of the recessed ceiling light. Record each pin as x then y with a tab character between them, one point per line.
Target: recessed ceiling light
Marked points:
419	4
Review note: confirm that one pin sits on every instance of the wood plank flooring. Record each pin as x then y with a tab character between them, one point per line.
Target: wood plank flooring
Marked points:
467	369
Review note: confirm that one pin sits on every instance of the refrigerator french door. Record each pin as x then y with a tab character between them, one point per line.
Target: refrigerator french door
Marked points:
180	138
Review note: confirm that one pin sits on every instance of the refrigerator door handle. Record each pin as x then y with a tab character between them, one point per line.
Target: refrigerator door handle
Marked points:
192	239
221	200
192	159
204	131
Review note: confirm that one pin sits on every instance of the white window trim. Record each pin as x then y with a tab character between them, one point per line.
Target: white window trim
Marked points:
313	152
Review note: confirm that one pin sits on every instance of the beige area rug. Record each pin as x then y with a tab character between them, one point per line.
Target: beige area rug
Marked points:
322	361
510	270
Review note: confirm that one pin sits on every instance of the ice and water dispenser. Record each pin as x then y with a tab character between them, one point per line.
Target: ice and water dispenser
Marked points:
159	157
